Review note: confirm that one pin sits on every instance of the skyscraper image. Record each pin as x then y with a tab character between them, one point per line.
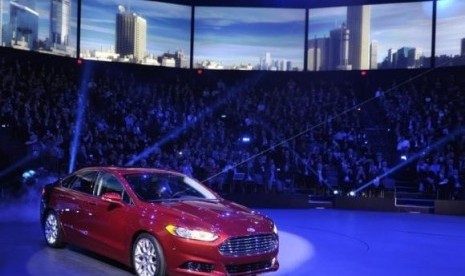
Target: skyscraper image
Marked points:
374	54
462	48
23	29
60	14
318	54
344	49
131	34
358	23
336	47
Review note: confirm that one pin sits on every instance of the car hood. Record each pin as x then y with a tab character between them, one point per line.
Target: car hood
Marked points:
217	216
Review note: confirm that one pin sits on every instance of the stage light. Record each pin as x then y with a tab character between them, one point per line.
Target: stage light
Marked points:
335	192
352	193
245	139
28	174
16	165
403	157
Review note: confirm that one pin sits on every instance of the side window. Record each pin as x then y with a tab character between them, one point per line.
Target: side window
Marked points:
68	181
84	182
110	184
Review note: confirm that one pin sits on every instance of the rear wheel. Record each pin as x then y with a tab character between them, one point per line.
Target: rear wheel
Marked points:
52	230
147	256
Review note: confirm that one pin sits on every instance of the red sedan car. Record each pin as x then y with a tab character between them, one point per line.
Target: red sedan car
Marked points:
158	222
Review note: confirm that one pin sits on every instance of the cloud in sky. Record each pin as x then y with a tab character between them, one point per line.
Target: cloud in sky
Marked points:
236	36
450	28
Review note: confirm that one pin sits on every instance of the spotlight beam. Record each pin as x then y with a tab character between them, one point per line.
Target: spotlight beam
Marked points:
232	92
415	157
16	165
80	111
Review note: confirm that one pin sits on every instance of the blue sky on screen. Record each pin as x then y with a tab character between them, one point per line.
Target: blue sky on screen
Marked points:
235	36
392	25
168	25
43	8
450	28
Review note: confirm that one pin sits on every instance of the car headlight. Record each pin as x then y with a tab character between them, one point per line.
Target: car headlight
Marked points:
191	234
275	229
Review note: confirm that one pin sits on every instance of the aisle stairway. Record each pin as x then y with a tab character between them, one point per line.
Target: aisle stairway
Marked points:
408	198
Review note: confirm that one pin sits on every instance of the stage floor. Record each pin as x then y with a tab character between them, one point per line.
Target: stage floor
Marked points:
312	242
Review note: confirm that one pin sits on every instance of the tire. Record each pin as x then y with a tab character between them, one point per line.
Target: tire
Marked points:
52	230
147	256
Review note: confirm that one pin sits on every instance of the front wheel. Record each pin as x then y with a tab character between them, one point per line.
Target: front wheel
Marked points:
52	230
147	256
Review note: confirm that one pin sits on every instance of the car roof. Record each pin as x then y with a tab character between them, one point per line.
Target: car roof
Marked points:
126	170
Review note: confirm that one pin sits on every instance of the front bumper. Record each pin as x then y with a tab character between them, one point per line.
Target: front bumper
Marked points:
189	257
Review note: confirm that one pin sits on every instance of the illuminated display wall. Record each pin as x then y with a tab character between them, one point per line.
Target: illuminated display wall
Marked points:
47	26
370	37
144	32
249	38
380	36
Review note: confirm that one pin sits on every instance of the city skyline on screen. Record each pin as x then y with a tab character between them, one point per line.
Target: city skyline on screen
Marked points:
41	41
388	31
167	29
249	38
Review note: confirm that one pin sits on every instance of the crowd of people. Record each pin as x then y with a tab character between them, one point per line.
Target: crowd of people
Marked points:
240	135
427	119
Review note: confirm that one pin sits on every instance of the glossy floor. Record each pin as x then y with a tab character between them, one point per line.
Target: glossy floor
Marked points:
313	242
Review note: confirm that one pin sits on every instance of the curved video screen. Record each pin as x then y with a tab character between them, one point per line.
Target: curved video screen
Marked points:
249	38
46	26
384	36
143	32
450	33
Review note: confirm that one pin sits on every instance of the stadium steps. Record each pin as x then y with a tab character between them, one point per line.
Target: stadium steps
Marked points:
409	199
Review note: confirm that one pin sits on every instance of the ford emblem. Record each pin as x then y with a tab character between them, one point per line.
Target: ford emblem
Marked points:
250	230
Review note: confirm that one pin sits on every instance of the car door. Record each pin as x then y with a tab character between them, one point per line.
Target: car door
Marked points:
73	205
109	227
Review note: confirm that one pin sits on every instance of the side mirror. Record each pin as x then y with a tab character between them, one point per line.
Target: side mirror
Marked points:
112	197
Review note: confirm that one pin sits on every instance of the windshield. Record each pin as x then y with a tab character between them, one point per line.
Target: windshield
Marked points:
165	186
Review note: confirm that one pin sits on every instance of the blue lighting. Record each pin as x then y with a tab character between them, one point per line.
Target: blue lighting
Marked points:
178	131
17	165
28	174
245	139
81	108
414	157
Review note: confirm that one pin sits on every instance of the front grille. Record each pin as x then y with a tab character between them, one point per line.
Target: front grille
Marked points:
249	245
245	268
